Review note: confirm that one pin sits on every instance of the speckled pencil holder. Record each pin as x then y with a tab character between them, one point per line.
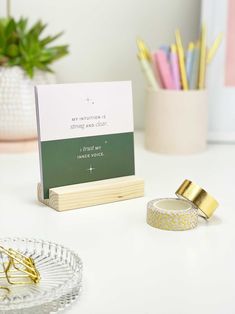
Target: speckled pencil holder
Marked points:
176	122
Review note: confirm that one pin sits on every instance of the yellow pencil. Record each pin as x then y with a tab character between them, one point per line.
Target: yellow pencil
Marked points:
143	49
214	48
180	52
202	62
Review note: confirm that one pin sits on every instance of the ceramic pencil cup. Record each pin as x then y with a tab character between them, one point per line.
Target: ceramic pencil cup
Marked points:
176	121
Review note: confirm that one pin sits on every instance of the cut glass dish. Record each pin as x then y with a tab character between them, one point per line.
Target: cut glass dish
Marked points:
60	284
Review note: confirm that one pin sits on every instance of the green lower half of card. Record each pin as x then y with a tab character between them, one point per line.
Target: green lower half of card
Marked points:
86	159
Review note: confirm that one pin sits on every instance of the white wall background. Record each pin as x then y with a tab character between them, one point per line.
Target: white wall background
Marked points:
102	34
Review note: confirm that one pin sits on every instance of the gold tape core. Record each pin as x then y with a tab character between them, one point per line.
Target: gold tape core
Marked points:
176	214
199	197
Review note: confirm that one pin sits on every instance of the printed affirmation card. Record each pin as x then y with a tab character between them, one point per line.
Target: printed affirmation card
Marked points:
85	132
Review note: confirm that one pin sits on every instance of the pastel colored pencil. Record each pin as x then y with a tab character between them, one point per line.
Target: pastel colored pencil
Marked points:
164	69
202	62
166	49
143	49
174	62
189	60
193	80
180	52
156	71
148	71
214	48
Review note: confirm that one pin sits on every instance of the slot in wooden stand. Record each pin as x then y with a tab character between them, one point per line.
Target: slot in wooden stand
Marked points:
93	193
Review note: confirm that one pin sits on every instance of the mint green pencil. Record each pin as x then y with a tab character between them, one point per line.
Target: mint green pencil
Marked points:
148	71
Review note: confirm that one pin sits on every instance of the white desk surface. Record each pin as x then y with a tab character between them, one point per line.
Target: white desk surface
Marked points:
130	267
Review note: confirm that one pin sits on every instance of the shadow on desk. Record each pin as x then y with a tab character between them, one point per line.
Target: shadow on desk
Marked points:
213	221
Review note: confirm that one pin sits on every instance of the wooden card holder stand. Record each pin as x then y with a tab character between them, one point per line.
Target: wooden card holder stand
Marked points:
93	193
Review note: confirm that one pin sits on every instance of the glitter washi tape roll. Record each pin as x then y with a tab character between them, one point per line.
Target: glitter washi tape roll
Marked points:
181	213
172	214
198	197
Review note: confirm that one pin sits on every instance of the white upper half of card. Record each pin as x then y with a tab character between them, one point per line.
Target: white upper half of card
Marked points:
83	109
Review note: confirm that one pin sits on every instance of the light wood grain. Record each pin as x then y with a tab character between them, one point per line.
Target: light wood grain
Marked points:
93	193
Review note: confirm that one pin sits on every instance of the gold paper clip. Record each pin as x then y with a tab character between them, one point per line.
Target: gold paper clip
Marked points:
18	269
6	291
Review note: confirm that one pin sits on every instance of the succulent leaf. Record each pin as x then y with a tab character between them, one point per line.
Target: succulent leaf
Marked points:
23	46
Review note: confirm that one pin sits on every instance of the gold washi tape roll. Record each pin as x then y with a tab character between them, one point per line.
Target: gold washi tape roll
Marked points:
172	214
199	197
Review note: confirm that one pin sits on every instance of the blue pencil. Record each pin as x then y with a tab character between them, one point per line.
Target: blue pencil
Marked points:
189	60
193	79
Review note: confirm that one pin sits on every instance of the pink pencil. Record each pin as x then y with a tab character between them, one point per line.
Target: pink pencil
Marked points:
175	67
164	69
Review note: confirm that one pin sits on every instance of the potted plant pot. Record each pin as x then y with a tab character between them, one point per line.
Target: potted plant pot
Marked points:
17	103
25	59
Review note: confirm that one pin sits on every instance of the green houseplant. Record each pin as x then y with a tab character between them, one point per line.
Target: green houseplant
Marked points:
26	56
